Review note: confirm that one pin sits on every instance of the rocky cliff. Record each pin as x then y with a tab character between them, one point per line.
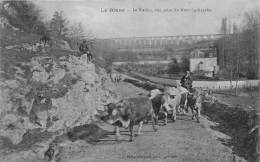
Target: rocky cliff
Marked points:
52	94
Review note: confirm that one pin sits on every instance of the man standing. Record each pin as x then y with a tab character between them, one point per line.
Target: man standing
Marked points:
186	81
83	49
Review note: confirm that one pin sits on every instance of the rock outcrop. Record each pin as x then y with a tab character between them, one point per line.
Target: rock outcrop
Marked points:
55	94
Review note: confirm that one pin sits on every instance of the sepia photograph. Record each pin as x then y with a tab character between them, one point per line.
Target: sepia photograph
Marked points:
129	80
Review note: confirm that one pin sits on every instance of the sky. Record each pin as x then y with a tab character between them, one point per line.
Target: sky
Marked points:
160	18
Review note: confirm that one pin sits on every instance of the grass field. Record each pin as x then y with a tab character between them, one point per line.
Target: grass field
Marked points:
246	98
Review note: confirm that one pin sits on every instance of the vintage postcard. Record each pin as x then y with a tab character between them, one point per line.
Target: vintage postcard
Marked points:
129	80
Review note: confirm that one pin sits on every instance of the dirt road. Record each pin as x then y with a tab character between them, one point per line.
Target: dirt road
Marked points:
182	141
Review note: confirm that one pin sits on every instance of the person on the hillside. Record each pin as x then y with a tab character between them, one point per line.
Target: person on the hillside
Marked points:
83	49
186	81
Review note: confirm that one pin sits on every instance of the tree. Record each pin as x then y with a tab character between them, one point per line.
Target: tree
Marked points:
24	15
235	28
75	35
240	50
250	42
224	28
185	63
252	20
174	67
58	24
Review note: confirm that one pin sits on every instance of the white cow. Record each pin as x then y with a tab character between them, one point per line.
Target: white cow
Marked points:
167	102
154	93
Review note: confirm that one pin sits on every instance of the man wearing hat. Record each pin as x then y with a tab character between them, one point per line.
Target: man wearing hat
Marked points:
186	81
83	49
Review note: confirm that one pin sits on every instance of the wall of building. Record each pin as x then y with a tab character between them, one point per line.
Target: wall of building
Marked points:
205	64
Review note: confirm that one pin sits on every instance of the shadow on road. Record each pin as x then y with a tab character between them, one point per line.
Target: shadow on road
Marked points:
90	133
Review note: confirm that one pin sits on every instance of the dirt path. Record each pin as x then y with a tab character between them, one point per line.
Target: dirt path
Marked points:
182	141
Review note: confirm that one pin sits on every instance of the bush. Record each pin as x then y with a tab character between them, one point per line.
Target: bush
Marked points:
251	75
185	63
23	15
237	123
175	67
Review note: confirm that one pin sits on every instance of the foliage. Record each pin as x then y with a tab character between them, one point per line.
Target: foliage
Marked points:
174	67
58	25
237	123
223	28
75	35
23	15
238	52
108	60
148	69
185	63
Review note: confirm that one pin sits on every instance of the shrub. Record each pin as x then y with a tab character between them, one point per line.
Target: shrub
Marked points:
251	75
23	15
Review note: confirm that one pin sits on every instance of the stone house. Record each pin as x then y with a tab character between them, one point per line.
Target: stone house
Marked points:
204	60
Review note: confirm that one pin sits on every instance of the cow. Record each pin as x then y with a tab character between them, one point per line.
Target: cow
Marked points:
167	102
172	100
183	108
116	78
194	101
154	92
129	112
156	97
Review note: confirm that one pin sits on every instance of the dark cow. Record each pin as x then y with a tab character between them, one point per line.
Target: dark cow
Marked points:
130	112
195	100
156	97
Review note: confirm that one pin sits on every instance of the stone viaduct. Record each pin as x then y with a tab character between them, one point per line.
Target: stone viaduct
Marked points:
156	41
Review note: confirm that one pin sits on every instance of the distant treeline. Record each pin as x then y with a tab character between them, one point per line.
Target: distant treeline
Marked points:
238	52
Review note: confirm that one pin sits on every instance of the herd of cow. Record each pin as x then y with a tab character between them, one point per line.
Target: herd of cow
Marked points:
137	110
115	77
